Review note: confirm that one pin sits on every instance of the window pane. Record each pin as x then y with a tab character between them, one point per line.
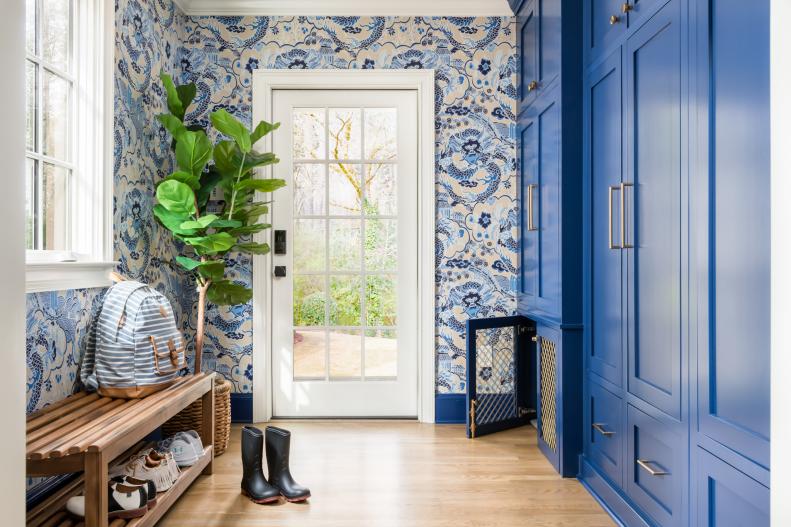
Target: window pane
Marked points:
309	245
381	353
30	210
56	116
345	301
309	133
380	133
30	25
345	190
54	188
345	136
380	190
345	353
310	354
55	20
345	245
310	301
309	190
380	300
381	245
30	104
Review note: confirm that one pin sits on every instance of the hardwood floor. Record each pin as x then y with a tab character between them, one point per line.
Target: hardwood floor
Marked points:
397	473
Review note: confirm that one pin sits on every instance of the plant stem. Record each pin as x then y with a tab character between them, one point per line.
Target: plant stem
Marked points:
201	321
238	177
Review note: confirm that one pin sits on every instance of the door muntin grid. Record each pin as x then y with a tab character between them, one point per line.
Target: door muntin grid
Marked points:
345	244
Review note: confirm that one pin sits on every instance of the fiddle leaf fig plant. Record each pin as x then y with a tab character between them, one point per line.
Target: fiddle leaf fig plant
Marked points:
183	198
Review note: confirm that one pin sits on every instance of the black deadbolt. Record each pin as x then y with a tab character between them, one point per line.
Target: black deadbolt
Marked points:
280	271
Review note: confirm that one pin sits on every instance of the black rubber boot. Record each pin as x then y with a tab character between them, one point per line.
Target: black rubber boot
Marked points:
278	442
254	484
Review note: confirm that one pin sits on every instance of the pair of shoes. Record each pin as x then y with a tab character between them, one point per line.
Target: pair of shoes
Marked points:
152	465
254	485
186	447
126	498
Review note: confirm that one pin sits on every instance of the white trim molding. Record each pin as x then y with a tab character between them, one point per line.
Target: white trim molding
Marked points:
422	81
346	7
59	276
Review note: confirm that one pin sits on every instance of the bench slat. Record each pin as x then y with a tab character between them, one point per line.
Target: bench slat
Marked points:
61	425
68	400
48	417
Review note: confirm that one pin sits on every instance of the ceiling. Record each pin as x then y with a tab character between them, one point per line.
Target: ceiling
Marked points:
347	7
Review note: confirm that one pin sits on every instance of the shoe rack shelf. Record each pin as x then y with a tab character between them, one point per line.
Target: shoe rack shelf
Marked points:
85	433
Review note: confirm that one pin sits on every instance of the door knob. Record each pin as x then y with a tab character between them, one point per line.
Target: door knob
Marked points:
626	7
532	86
614	20
280	271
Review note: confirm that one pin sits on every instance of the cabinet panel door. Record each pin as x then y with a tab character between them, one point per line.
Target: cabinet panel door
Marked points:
600	28
640	9
653	211
727	497
548	411
528	153
604	433
733	253
549	50
528	27
604	165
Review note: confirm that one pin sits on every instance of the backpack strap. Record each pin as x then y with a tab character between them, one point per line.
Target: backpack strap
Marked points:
125	290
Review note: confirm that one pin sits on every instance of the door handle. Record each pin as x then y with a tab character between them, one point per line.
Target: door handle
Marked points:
530	225
612	188
603	431
624	244
645	465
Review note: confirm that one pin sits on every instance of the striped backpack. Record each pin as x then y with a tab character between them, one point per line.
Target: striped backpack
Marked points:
134	347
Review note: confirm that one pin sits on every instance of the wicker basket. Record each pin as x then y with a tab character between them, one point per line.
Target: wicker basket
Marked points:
190	417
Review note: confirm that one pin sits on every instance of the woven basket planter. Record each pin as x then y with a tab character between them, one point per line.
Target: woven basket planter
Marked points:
190	417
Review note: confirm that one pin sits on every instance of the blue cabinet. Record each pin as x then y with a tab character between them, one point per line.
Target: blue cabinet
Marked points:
603	431
527	35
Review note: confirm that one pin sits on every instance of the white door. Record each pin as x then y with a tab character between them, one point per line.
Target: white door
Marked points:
345	315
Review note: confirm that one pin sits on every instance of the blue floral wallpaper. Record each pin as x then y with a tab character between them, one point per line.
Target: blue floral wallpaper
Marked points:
476	167
475	65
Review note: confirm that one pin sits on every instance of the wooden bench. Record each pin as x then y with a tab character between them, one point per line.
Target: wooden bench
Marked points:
86	432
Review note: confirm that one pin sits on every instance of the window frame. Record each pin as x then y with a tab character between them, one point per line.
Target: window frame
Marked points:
89	260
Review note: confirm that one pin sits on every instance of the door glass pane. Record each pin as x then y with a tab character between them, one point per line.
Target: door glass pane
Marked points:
30	105
310	354
381	245
345	189
381	353
345	134
310	300
30	210
380	133
345	245
309	135
309	190
56	116
380	300
380	189
345	353
30	26
54	186
345	293
55	20
309	245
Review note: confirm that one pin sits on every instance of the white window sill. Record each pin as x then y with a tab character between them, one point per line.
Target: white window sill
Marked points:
58	276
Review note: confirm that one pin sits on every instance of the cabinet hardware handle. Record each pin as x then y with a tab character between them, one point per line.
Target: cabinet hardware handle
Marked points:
609	200
603	431
643	464
534	338
532	86
530	225
614	20
626	7
624	244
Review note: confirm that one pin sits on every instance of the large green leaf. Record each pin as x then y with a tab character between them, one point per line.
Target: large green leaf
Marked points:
208	180
175	105
252	212
200	223
262	129
249	229
172	220
252	248
185	177
193	151
186	93
176	197
173	124
233	128
261	185
212	243
253	160
212	270
187	263
227	158
226	293
225	224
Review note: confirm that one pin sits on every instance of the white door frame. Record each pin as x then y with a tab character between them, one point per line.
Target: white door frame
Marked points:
265	81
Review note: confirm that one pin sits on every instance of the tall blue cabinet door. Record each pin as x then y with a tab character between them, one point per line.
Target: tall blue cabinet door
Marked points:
726	497
652	210
604	158
605	22
528	150
731	234
550	45
528	27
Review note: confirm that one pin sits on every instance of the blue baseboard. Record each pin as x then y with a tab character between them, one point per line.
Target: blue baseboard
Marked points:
450	408
609	498
241	407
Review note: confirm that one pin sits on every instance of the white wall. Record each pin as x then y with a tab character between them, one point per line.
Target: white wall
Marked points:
781	261
12	270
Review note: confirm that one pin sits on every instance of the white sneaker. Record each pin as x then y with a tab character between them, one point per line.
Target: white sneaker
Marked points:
154	466
186	447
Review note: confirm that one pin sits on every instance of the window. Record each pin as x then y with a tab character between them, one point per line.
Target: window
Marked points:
69	58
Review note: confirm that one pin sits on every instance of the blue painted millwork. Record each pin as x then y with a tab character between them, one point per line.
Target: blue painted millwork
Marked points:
676	142
450	408
242	407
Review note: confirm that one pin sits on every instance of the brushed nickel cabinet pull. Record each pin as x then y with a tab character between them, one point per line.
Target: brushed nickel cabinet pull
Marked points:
626	7
530	225
612	188
644	464
624	244
614	20
603	431
532	86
